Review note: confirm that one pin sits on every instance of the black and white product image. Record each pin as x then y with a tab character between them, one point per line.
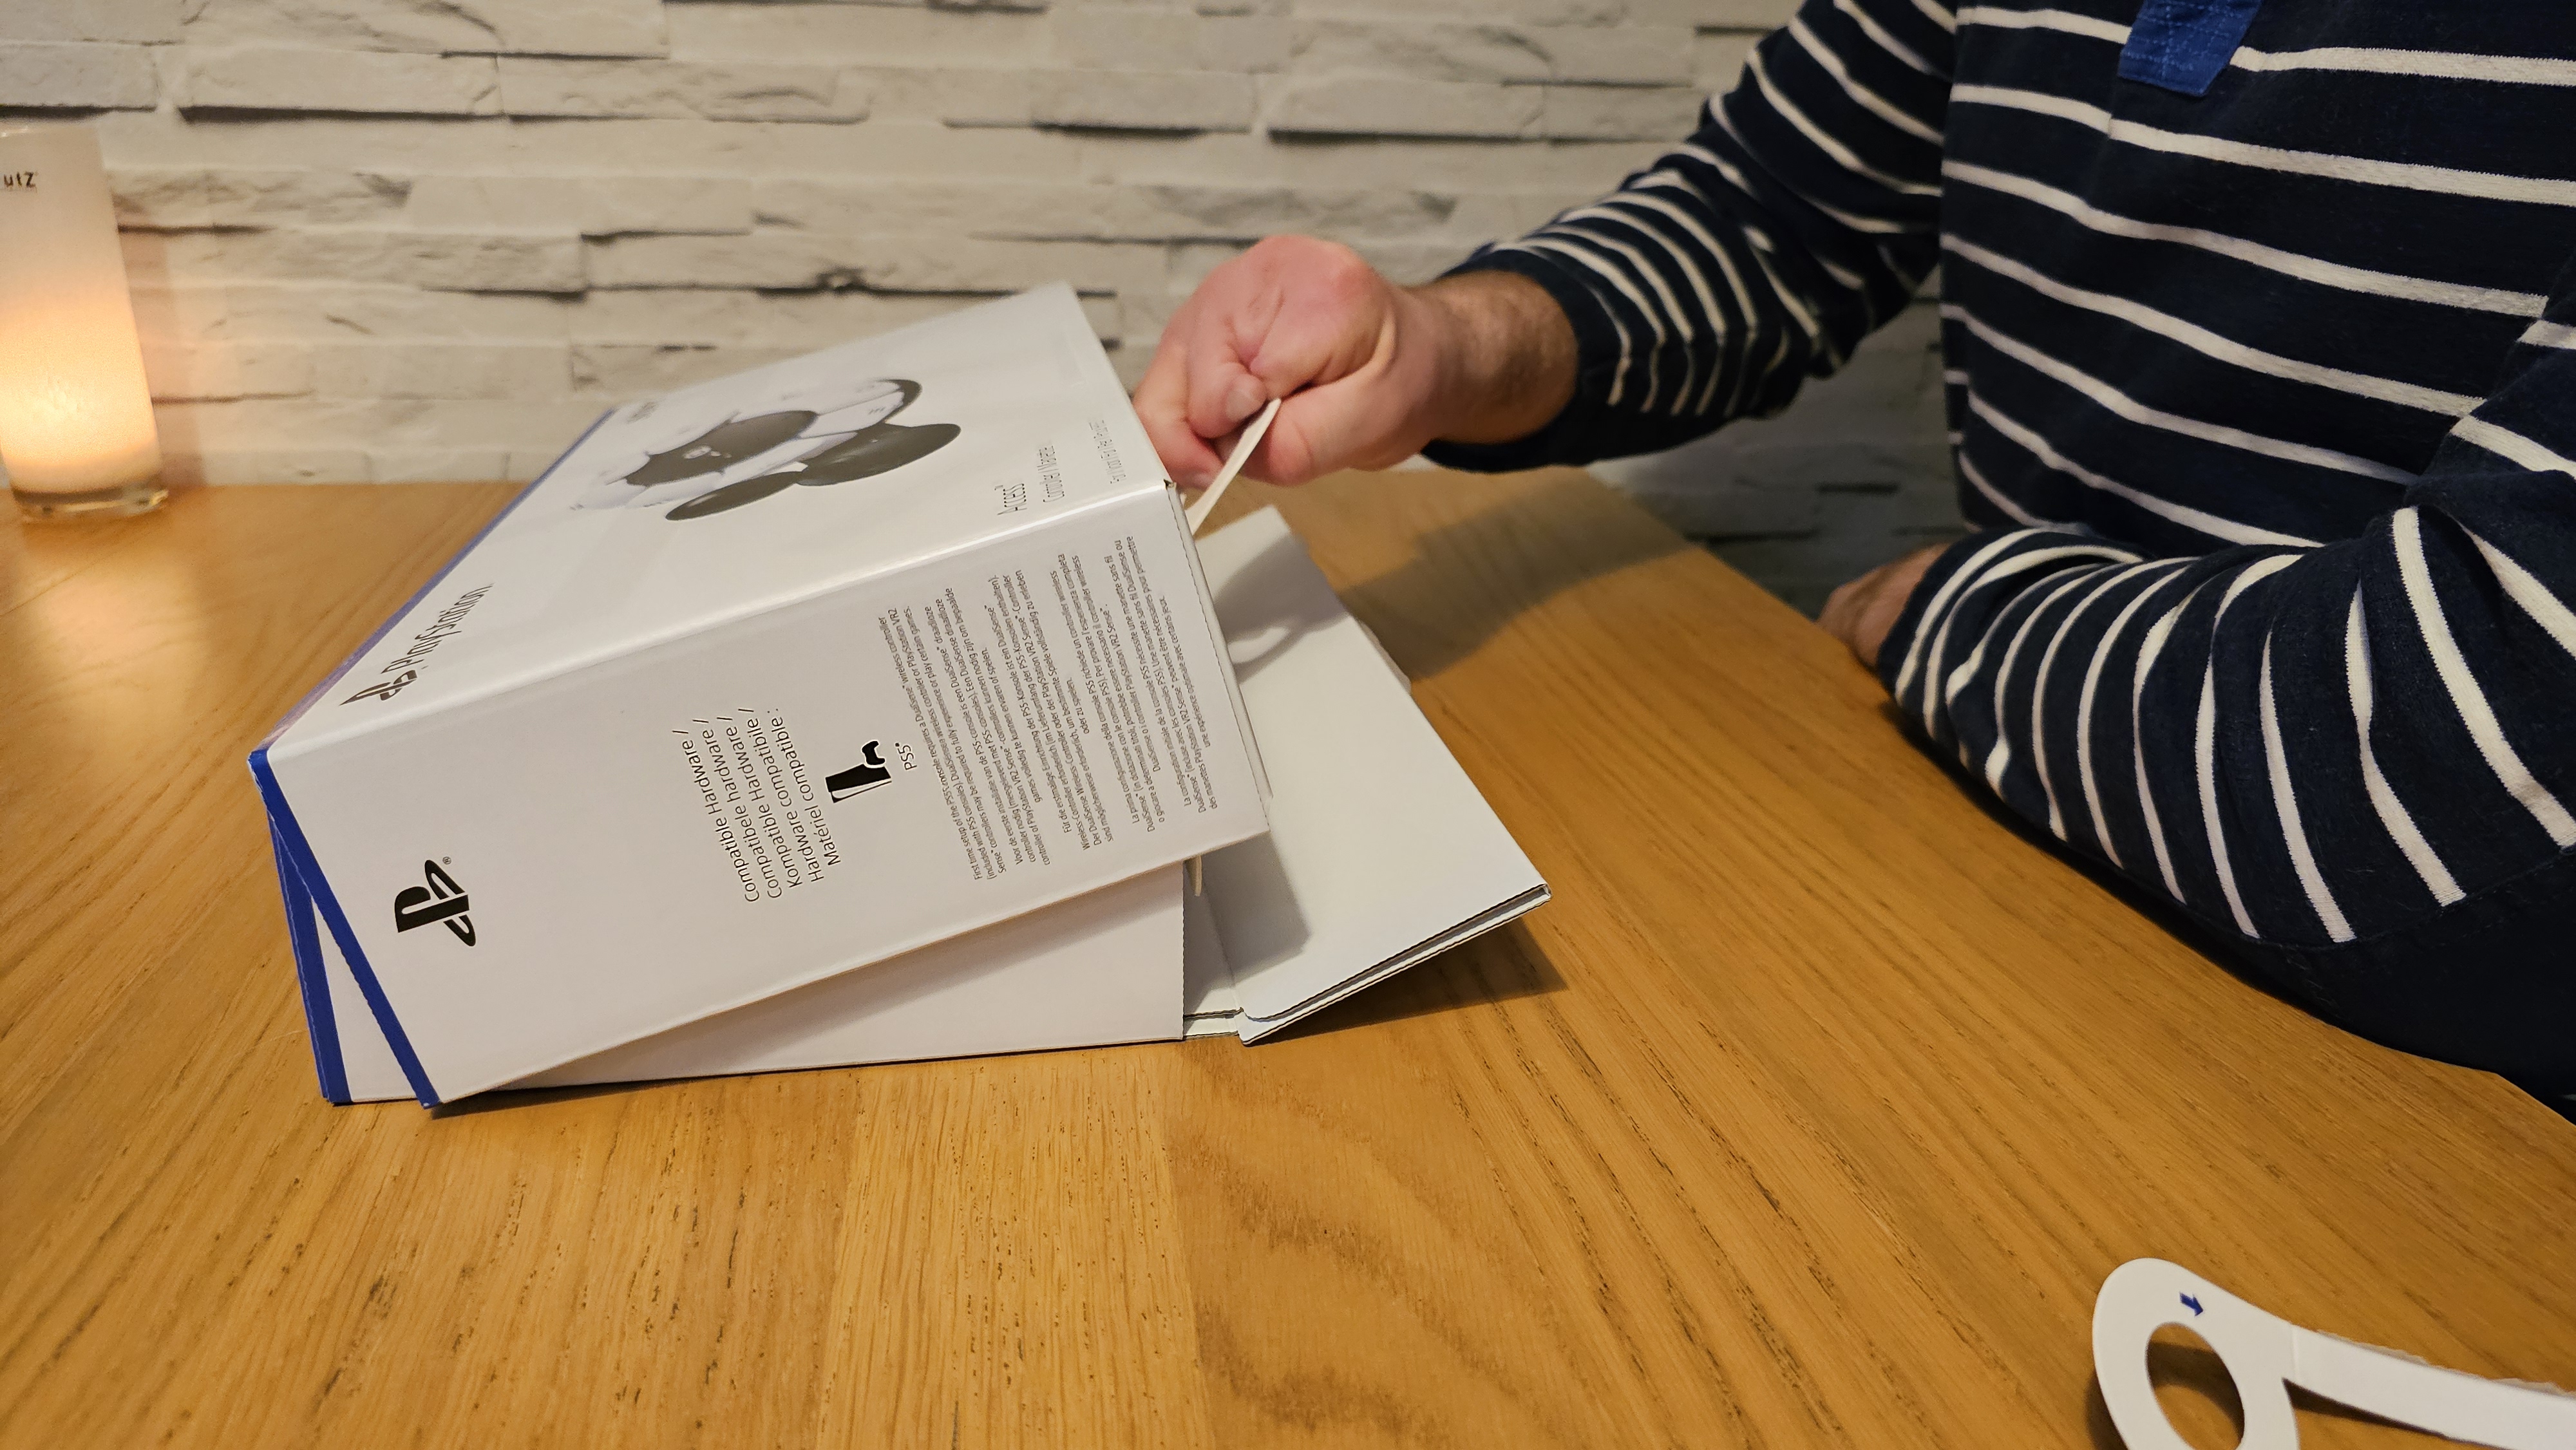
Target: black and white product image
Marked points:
670	752
809	433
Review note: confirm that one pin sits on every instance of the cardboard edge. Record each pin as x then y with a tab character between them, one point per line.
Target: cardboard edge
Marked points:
321	1026
1252	1029
300	853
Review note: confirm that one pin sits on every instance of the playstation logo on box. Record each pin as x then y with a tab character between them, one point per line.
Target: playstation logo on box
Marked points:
440	901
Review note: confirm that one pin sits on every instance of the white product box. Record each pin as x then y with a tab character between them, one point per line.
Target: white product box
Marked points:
1381	854
768	679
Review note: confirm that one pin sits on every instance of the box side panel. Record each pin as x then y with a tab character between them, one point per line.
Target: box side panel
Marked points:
606	854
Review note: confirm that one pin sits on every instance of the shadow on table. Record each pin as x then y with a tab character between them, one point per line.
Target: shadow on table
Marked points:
499	1098
2197	1371
1501	965
1467	580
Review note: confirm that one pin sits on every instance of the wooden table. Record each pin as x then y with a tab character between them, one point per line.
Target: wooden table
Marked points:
1812	1111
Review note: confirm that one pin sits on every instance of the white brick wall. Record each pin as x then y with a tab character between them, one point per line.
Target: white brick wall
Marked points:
408	239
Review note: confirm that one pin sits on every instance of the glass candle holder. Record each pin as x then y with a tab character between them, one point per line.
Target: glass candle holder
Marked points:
76	430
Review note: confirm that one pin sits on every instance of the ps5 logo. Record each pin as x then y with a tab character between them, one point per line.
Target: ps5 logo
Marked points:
868	774
441	900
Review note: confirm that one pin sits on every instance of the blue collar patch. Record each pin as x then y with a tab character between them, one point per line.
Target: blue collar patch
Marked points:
2182	45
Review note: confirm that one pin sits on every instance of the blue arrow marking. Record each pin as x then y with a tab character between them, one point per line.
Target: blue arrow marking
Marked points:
2194	1303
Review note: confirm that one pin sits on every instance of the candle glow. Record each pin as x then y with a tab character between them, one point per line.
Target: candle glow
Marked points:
76	427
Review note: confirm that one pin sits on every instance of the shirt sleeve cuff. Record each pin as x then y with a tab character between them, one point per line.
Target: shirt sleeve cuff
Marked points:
1909	622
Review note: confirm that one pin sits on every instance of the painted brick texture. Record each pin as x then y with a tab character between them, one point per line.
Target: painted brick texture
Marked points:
426	239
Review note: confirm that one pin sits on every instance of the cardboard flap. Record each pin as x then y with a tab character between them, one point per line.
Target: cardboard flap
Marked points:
1381	851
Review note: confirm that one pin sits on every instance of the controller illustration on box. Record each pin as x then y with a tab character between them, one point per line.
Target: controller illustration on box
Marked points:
839	433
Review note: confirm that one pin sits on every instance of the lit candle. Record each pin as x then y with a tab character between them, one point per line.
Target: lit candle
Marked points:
76	430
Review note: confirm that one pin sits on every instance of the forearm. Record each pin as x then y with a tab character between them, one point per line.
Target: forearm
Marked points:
2348	761
1506	357
1710	285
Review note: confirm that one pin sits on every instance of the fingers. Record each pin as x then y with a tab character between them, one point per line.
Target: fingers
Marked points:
1841	607
1222	391
1162	403
1354	422
1895	588
1293	313
1862	612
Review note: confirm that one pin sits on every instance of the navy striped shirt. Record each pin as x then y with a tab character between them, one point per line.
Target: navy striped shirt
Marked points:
2264	402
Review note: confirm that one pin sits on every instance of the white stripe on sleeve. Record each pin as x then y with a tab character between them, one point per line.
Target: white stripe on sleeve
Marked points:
2205	753
1826	141
1999	759
2153	646
1619	374
2393	815
1886	42
1940	601
2285	802
2406	527
1876	104
2205	740
2506	443
1958	678
2523	588
2084	714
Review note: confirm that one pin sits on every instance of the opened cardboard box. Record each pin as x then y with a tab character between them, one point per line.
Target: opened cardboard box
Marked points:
860	708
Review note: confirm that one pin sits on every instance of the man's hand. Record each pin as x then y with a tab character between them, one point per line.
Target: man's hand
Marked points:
1862	612
1371	372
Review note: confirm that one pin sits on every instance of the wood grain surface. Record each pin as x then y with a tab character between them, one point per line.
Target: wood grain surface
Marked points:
1812	1111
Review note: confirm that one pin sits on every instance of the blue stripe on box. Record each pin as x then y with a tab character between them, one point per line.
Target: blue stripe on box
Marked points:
321	1027
300	856
296	859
